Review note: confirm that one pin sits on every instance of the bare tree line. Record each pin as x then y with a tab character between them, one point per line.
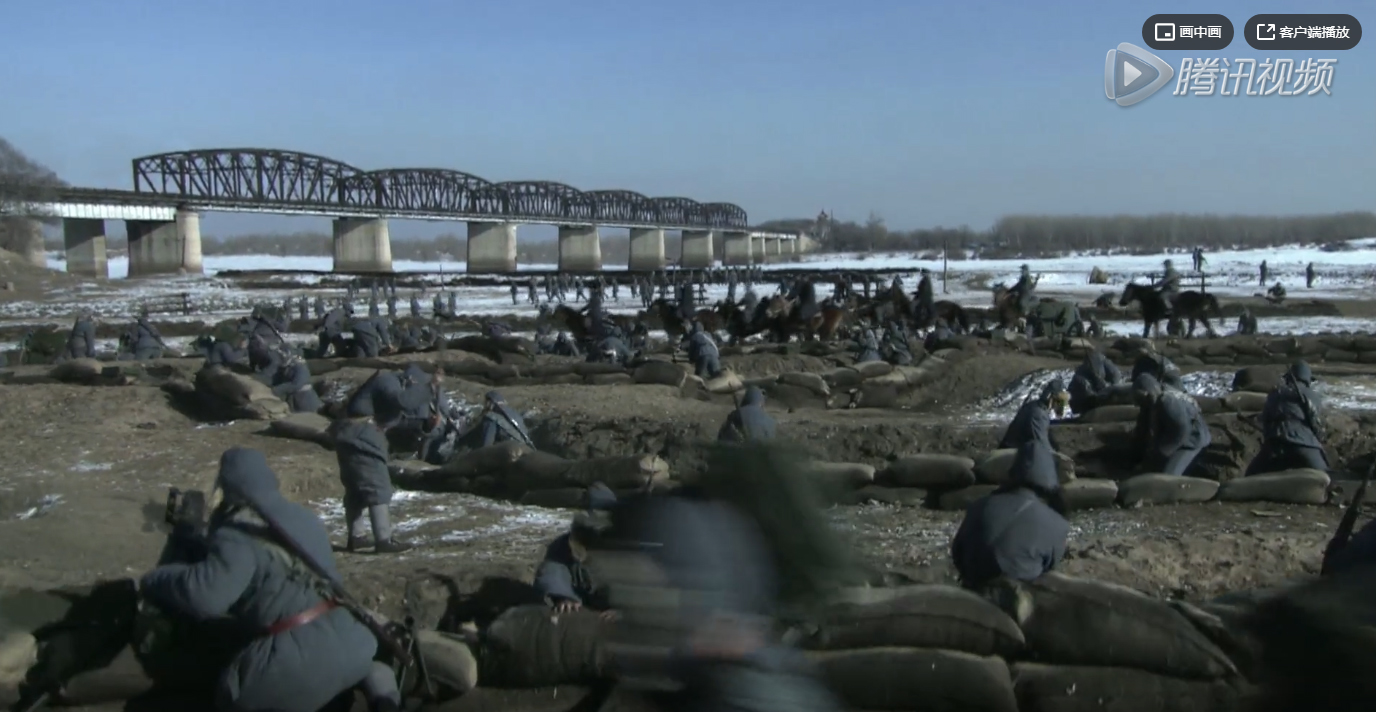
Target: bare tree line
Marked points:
1045	235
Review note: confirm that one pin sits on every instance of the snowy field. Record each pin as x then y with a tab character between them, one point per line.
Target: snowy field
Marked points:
1341	275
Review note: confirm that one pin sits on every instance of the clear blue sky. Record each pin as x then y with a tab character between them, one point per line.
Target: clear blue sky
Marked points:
926	113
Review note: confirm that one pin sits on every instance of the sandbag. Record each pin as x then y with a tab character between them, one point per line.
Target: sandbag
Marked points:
811	381
1089	494
934	616
879	494
1244	402
661	373
231	388
1054	688
843	378
1258	379
930	471
561	498
311	427
494	459
18	653
79	370
993	469
894	378
531	646
1165	489
961	499
448	661
239	396
612	379
726	382
1110	414
540	470
842	475
1081	622
917	679
1299	486
873	369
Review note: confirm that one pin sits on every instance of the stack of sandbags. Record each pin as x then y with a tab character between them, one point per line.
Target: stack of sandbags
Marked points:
311	427
533	646
536	470
932	473
1299	486
925	648
234	396
725	382
660	372
994	468
1160	488
476	470
841	478
78	370
1094	645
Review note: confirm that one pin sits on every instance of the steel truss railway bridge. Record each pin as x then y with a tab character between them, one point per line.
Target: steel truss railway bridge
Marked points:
171	190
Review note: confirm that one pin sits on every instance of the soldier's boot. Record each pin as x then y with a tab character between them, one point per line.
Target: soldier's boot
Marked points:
382	532
359	543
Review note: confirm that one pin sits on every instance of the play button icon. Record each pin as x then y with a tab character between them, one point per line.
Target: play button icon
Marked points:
1132	74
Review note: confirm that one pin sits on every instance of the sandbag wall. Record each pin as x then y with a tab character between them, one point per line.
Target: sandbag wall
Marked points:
1058	644
1236	350
511	470
954	482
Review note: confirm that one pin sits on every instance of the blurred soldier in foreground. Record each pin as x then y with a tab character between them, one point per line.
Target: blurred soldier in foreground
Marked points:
1033	419
698	578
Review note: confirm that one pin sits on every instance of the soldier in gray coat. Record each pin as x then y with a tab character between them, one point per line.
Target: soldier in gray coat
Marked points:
563	577
1095	379
82	341
497	422
226	353
1033	419
1172	431
367	339
703	352
362	451
305	648
1292	425
748	421
292	383
867	345
145	342
1020	530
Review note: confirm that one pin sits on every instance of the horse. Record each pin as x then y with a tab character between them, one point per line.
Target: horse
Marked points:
1189	305
1007	306
740	325
787	321
675	326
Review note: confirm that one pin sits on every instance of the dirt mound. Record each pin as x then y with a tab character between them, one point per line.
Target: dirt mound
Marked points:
21	279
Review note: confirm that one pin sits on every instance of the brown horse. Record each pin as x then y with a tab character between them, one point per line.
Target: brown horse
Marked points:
787	321
1007	307
676	327
575	321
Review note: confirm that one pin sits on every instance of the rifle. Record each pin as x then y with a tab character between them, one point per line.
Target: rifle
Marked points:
1349	520
340	594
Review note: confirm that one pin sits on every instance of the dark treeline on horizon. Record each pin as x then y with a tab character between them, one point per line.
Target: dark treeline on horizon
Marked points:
1014	236
1049	235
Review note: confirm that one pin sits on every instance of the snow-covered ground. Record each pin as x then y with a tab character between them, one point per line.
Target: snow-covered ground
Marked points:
1341	275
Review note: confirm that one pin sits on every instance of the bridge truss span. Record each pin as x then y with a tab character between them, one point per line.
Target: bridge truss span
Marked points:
245	175
420	191
292	182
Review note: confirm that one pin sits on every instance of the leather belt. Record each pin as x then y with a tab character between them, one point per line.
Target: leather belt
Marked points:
302	618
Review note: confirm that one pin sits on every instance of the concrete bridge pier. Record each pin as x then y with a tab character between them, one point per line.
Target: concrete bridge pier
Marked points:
772	249
788	250
362	245
165	247
491	247
647	249
757	249
696	249
24	237
736	249
580	249
83	239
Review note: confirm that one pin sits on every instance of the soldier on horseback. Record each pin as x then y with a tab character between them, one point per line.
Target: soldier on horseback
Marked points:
1025	290
1169	286
925	309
